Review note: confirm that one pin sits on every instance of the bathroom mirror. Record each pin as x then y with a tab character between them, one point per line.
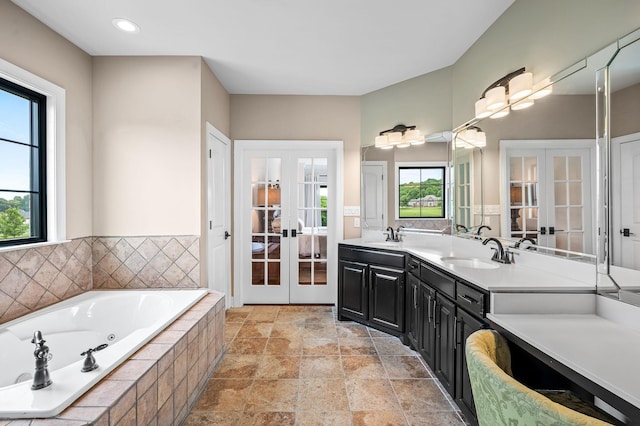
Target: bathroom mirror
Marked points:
619	128
537	171
380	198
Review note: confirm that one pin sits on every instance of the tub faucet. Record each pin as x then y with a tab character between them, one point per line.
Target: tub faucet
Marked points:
500	254
41	377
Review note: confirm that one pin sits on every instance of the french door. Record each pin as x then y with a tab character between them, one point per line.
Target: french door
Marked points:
288	222
548	193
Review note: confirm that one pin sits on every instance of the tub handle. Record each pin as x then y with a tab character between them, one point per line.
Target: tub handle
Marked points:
90	363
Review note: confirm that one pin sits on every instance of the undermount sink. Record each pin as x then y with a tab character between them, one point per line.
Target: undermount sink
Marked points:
469	262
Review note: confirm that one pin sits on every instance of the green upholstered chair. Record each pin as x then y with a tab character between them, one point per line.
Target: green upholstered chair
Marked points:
502	400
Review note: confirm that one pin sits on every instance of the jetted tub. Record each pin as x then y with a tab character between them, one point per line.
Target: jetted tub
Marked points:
125	320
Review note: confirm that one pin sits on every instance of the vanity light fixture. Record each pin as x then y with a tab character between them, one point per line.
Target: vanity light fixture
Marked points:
514	91
401	136
126	25
471	137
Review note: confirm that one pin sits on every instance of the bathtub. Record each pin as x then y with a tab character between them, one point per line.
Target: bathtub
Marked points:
125	320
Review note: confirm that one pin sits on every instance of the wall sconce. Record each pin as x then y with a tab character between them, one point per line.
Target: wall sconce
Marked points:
471	137
514	91
401	136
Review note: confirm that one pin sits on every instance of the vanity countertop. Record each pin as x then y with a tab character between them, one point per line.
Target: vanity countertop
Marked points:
535	273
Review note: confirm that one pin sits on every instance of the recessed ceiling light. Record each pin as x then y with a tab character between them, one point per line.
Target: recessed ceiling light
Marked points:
126	25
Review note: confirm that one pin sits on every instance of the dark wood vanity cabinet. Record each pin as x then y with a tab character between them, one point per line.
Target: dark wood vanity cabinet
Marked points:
371	288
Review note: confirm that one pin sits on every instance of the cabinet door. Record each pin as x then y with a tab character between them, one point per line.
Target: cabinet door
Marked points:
386	298
445	342
467	324
352	290
427	326
412	308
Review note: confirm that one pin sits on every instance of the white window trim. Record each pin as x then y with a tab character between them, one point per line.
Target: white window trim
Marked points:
56	133
396	193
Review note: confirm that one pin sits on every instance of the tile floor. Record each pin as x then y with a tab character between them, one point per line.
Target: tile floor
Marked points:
299	365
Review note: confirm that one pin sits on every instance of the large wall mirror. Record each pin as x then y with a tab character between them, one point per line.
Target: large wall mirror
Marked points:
619	143
401	186
532	173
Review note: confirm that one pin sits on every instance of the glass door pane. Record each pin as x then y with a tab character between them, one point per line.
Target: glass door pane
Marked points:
567	198
265	221
523	196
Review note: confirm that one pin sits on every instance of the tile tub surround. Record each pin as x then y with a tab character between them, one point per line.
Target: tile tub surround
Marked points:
160	383
146	262
33	278
299	365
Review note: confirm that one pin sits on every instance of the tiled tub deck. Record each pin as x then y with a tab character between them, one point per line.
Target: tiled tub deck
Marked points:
160	383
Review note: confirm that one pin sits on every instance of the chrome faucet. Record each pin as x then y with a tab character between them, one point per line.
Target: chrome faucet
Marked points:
393	235
41	377
500	254
90	363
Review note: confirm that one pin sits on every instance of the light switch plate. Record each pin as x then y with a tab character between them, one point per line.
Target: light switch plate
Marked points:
351	210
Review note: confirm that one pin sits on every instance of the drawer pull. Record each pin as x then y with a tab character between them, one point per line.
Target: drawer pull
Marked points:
468	299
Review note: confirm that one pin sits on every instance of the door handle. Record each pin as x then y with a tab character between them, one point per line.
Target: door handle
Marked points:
552	230
543	230
285	233
293	233
226	235
626	232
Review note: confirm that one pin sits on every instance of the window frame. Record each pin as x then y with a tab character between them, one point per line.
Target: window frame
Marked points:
55	164
422	165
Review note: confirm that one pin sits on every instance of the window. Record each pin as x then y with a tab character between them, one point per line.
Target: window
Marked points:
421	191
22	165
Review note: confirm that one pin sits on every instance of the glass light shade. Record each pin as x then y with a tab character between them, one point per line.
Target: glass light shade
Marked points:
381	141
520	86
413	136
501	113
525	103
395	138
403	145
481	108
496	98
480	139
542	88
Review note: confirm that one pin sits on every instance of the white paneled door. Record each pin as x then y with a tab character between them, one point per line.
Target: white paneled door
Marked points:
626	194
287	221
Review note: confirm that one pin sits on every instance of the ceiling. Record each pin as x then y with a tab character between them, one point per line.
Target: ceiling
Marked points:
314	47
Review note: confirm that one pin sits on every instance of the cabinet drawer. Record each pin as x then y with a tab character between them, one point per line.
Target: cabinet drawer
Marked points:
441	282
386	258
470	299
413	266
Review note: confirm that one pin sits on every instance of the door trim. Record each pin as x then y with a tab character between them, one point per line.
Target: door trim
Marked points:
240	176
212	131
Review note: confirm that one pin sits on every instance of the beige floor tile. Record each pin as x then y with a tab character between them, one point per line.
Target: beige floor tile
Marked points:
420	395
224	395
284	346
442	418
237	367
231	330
320	331
404	367
377	333
356	346
311	346
273	395
268	419
391	346
352	330
379	418
323	418
287	329
363	367
235	316
259	329
253	346
279	367
218	418
318	394
371	395
321	367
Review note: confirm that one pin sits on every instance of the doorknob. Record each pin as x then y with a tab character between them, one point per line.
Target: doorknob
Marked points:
226	234
626	232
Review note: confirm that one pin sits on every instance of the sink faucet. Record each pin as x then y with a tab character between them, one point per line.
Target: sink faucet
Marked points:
460	227
41	377
390	234
522	240
481	227
500	254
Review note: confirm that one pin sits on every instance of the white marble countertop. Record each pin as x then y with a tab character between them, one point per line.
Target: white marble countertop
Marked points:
530	272
601	350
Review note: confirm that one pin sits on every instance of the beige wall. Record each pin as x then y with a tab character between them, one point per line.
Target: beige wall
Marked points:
305	118
147	146
27	43
424	101
545	36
